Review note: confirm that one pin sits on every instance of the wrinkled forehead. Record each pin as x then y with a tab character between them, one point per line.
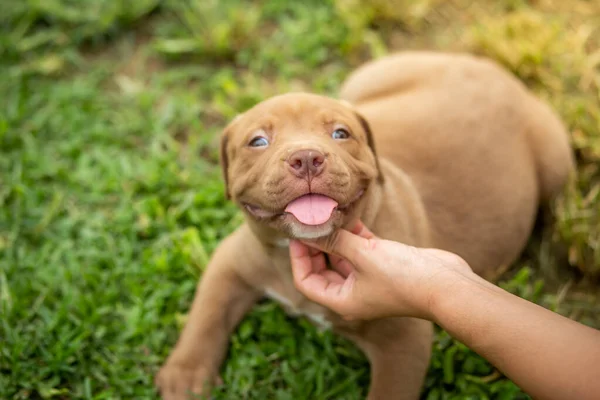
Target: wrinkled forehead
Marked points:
295	112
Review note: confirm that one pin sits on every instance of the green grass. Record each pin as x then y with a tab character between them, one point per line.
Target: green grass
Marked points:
111	200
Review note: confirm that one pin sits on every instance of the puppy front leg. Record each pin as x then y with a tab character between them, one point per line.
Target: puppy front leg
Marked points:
221	301
398	350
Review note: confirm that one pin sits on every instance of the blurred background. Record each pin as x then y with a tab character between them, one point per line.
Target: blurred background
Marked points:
111	199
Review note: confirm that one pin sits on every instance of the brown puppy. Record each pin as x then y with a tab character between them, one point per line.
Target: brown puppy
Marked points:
438	150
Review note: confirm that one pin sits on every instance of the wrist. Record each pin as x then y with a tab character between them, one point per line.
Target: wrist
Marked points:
448	294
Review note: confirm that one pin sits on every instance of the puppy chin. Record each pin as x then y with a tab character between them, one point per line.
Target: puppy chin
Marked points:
297	230
304	232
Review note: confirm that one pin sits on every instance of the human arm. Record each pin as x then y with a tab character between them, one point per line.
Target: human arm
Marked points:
547	355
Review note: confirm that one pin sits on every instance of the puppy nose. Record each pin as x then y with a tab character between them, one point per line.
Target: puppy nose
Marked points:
305	163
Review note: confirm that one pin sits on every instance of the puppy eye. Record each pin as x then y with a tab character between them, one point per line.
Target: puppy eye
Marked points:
259	142
340	134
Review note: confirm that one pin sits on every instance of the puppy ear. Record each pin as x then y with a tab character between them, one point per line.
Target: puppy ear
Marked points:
225	163
371	142
223	153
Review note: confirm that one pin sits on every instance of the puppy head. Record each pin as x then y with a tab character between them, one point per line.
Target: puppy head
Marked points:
299	163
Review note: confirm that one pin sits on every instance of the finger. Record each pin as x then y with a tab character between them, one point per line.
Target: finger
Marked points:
309	258
333	276
341	265
317	258
319	289
361	230
301	260
344	244
322	288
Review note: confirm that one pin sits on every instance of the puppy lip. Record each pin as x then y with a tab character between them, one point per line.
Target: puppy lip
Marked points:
354	200
293	218
347	205
261	213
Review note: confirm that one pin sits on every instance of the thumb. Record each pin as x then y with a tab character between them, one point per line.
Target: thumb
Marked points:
346	245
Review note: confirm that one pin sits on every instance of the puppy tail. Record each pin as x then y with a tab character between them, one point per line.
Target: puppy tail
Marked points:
550	143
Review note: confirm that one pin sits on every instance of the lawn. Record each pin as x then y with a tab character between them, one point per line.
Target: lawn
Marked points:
111	199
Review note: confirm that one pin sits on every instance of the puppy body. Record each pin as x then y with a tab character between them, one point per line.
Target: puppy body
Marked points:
465	156
481	151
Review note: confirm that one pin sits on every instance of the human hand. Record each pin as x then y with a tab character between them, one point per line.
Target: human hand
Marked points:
374	278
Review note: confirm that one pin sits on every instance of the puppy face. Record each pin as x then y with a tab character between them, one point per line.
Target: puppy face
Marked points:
299	163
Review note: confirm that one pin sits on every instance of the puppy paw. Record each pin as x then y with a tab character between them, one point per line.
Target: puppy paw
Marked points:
182	382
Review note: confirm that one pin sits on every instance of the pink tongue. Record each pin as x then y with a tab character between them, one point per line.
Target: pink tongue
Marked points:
312	209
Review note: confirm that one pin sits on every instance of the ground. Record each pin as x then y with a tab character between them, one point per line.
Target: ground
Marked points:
111	199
